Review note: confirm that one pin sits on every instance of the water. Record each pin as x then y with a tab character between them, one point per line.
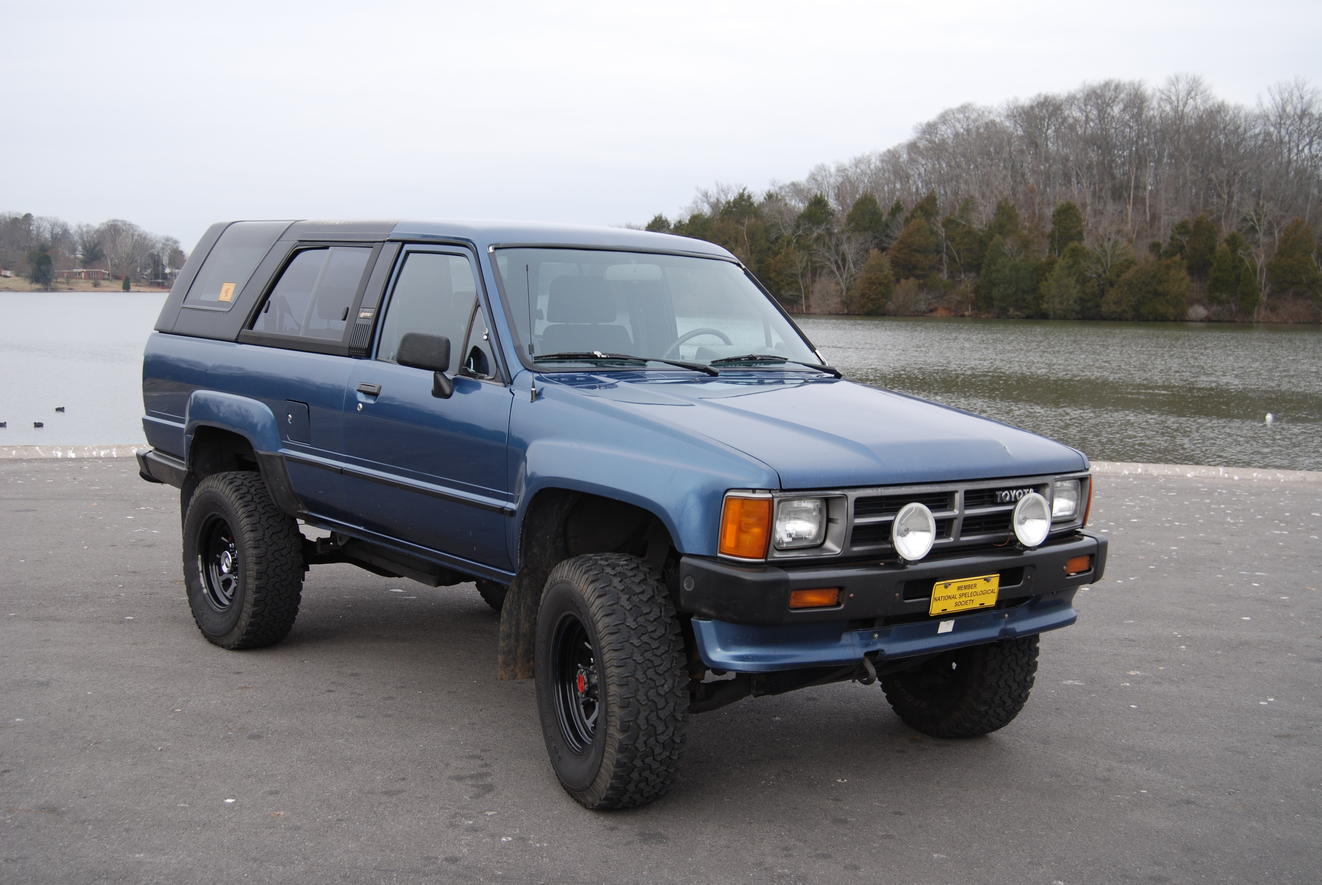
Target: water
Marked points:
1184	394
79	350
1169	393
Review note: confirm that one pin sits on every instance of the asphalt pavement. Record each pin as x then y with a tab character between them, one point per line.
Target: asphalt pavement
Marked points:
1174	734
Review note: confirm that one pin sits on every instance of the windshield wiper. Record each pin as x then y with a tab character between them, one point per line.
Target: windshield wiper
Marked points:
775	358
592	355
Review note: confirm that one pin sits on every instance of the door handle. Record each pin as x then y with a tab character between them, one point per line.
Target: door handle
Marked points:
369	389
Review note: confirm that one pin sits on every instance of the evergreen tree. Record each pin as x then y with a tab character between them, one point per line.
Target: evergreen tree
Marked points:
1232	281
872	290
916	252
1154	289
1004	223
1062	293
963	241
1293	269
42	266
817	217
659	224
696	225
1008	286
894	224
866	219
1200	247
926	209
1066	228
1178	241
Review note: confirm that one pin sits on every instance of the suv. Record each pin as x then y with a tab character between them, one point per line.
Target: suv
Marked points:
630	449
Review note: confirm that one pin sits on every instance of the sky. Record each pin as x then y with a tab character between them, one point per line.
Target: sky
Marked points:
173	114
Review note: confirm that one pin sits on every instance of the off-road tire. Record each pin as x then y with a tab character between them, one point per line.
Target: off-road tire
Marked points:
965	693
243	562
612	687
492	594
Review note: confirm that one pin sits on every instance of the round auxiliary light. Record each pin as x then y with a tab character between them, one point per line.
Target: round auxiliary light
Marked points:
913	531
1032	519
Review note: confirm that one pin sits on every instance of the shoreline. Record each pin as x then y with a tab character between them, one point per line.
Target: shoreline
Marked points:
1101	468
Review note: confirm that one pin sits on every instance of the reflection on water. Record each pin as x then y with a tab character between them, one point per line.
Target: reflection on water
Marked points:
1183	394
1173	393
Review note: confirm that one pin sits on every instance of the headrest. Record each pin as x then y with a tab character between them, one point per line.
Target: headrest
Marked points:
580	300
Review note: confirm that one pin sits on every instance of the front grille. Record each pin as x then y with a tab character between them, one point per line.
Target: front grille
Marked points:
967	515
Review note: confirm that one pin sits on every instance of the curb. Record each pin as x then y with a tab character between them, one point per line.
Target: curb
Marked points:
1194	471
24	453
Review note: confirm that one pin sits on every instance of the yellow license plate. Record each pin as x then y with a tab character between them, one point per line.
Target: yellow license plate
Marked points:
964	594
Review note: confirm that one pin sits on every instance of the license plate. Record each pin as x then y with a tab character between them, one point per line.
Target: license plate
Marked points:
964	594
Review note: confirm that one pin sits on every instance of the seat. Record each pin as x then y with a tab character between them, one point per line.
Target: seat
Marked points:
581	313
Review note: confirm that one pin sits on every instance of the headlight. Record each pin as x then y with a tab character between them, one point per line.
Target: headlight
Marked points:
800	522
1065	494
913	531
1032	519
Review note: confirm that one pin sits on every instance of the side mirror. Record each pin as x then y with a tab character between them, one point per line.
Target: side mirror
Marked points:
421	351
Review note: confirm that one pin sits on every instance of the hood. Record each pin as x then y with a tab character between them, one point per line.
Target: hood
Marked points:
819	433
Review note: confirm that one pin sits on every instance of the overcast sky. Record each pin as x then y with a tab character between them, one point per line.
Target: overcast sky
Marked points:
173	114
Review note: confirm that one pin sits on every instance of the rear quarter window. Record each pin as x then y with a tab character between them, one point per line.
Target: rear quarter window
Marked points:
314	294
231	262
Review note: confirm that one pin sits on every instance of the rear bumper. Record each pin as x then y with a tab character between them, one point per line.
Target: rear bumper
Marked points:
155	466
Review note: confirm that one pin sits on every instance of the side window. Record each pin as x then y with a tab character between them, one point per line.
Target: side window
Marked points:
313	296
434	293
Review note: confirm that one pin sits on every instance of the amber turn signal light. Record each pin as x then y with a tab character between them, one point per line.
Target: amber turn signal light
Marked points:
821	597
1077	565
745	527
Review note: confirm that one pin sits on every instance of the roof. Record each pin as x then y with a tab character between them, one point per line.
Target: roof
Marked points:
487	234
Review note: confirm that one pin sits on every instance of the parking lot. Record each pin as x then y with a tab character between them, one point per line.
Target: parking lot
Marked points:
1173	734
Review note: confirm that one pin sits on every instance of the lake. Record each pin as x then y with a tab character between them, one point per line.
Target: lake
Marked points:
1170	393
1165	393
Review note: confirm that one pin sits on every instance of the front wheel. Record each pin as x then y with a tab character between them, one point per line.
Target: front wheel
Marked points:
492	594
612	689
965	693
243	562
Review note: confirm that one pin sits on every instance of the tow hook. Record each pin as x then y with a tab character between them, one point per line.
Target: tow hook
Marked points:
871	675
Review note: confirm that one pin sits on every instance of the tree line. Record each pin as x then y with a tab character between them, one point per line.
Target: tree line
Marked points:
1113	201
40	248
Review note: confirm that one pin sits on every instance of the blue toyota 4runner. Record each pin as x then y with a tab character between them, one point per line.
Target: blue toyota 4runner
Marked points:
635	455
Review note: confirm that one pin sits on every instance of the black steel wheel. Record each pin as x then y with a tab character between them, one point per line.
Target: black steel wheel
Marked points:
577	691
243	562
965	693
218	562
612	687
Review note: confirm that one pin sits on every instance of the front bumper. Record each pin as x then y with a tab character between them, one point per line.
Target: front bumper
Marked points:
742	621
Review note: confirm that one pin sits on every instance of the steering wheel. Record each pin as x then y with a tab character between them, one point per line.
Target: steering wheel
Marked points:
694	333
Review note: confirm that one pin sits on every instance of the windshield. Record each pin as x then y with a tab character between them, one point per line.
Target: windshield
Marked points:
576	306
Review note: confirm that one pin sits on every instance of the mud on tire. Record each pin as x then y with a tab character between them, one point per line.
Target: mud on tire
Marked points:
243	562
612	687
965	693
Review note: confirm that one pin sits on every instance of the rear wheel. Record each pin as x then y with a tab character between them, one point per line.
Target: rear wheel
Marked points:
612	689
965	693
243	562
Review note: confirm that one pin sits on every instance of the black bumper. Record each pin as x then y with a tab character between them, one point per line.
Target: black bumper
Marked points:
759	594
155	466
